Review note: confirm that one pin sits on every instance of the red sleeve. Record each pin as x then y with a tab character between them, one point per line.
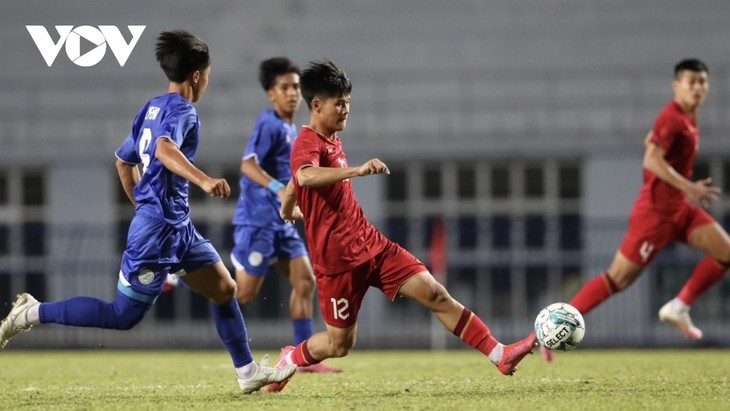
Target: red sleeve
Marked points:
306	152
664	132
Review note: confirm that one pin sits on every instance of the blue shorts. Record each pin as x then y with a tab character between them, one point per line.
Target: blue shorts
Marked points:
256	248
156	248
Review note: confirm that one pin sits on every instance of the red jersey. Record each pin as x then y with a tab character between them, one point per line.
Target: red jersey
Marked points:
337	233
678	135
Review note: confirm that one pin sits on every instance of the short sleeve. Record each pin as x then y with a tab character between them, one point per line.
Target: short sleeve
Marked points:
127	152
664	132
263	138
178	124
305	153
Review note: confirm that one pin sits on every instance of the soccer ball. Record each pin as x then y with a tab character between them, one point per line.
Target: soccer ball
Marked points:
560	327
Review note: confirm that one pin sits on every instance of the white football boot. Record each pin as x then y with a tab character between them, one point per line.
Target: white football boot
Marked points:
265	375
17	321
681	320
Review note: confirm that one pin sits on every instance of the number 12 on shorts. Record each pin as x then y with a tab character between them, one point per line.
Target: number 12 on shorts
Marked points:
339	308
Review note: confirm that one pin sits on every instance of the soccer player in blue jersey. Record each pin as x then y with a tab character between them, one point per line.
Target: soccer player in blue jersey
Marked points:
261	237
161	239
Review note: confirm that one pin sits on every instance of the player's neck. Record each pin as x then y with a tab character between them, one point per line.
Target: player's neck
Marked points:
184	89
288	117
690	110
322	131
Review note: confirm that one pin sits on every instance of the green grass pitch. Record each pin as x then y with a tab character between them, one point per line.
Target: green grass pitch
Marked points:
691	379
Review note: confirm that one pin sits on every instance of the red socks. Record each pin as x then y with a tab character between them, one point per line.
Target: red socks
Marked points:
593	293
472	331
301	356
707	273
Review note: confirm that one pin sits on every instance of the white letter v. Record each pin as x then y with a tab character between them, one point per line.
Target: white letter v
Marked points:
116	42
49	50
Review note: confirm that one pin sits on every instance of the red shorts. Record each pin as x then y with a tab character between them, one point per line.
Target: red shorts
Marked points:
650	230
341	294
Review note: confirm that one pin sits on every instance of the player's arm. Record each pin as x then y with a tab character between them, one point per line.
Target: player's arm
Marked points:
174	160
654	161
324	176
289	209
129	176
251	169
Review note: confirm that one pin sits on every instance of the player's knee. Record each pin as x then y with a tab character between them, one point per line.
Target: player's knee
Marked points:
128	322
304	286
245	296
436	295
128	313
226	292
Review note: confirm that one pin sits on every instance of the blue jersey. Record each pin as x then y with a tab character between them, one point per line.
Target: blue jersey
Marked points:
270	144
162	193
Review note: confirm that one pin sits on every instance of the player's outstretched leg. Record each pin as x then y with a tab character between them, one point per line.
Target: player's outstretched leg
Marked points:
679	317
515	352
17	321
265	375
281	362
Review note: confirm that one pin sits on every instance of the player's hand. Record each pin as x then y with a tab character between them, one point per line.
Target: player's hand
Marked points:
703	192
373	166
217	187
290	216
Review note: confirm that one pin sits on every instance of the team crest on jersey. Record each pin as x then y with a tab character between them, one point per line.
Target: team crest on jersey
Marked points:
146	277
255	258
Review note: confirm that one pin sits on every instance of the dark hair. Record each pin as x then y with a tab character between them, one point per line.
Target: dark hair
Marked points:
181	53
274	67
323	78
691	65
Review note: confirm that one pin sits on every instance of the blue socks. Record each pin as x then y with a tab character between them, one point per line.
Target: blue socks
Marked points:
124	313
232	330
121	314
303	329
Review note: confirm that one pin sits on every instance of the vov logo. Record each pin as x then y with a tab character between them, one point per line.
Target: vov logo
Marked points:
71	38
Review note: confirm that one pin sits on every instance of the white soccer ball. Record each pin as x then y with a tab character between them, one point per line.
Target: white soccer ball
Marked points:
560	327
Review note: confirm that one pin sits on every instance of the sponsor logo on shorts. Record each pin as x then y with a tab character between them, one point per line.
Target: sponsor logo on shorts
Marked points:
646	250
146	277
255	258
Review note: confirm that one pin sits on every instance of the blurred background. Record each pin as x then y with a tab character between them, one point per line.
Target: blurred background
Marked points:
517	126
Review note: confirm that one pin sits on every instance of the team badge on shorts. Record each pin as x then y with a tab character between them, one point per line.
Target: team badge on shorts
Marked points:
146	277
255	258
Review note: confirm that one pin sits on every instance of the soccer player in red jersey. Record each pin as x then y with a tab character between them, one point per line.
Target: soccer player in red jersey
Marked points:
349	254
665	210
